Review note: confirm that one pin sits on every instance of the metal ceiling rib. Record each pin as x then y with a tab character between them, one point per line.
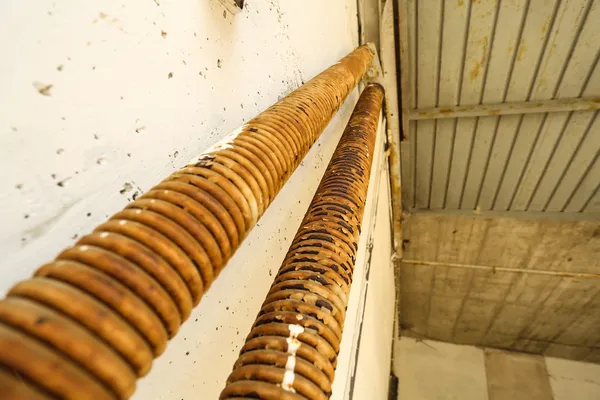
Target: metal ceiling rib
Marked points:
534	63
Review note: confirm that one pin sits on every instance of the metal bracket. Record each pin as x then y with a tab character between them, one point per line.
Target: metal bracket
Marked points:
374	73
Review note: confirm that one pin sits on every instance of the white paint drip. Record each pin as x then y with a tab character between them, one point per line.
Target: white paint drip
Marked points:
293	346
290	365
223	144
288	379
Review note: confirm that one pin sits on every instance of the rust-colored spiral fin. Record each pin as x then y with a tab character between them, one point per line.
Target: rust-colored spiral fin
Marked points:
292	349
89	323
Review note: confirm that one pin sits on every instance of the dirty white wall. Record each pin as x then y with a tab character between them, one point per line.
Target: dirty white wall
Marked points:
99	100
373	353
103	97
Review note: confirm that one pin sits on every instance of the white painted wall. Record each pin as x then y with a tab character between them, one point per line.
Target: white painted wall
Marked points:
374	352
116	120
113	117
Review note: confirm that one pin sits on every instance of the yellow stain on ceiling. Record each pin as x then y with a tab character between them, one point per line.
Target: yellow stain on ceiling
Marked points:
477	66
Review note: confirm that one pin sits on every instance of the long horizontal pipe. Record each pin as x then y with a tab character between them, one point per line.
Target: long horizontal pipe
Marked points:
90	323
493	268
291	351
486	110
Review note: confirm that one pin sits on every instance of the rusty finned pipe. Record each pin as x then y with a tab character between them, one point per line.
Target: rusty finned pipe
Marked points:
291	351
89	323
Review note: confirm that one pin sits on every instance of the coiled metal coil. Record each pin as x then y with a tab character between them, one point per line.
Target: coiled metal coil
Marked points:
89	323
291	351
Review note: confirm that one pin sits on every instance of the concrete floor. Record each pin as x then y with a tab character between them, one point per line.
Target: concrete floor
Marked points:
430	370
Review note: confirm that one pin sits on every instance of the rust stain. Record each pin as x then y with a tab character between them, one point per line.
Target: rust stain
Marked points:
546	24
475	71
446	110
477	66
522	50
461	3
542	83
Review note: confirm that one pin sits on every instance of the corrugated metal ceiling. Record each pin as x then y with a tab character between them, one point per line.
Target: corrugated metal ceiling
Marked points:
502	52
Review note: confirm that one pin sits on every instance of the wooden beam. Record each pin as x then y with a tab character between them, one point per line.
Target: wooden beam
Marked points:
529	107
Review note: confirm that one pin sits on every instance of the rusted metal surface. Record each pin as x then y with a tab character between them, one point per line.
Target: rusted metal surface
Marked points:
89	323
292	348
393	118
502	104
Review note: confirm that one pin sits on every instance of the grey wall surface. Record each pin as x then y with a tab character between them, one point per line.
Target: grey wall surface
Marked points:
525	285
431	370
